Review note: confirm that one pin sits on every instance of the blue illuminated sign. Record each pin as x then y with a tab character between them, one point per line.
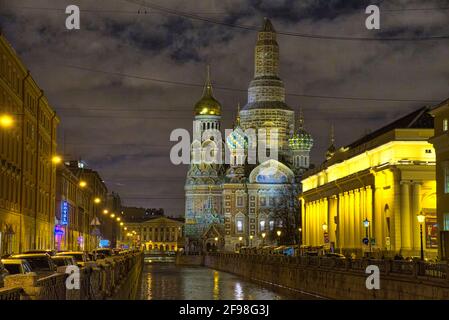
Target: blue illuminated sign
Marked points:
65	213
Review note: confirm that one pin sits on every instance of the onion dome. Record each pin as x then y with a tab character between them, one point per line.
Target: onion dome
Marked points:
301	139
237	139
208	105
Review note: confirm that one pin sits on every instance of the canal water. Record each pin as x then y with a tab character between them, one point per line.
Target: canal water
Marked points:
167	281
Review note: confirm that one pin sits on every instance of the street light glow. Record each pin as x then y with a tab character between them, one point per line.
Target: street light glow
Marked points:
112	216
421	218
118	219
97	200
279	233
6	121
105	211
83	184
56	159
324	227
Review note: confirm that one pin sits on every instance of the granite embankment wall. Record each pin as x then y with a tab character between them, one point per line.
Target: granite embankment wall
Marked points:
117	277
338	278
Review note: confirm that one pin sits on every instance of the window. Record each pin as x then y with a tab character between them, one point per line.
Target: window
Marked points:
271	225
262	225
239	201
263	201
446	180
445	125
239	225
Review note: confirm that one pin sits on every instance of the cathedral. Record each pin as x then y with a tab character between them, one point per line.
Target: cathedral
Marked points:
236	202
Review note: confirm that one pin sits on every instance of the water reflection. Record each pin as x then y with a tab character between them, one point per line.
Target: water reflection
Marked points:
168	281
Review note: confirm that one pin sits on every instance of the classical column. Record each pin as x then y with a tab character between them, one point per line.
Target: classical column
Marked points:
406	224
341	241
377	223
351	218
416	209
346	221
357	220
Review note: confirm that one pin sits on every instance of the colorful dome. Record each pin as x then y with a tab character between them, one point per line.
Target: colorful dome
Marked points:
207	105
301	140
237	139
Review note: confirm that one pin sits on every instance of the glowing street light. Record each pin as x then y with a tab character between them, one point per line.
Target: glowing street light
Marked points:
421	218
118	219
56	159
105	211
279	236
324	227
263	238
83	184
216	239
121	223
97	200
112	216
251	240
6	121
125	228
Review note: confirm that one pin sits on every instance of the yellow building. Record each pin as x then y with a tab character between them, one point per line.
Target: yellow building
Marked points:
440	142
27	145
375	188
155	234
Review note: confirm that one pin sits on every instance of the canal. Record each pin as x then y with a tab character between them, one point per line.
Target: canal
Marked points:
165	281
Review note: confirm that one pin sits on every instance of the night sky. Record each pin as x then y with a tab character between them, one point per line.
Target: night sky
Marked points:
124	81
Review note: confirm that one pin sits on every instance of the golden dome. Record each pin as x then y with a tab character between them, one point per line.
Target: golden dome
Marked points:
208	105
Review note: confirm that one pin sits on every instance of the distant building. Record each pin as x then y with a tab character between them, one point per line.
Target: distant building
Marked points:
157	233
386	178
141	214
27	174
440	141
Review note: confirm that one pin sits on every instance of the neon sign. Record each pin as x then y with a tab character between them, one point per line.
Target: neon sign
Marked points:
65	213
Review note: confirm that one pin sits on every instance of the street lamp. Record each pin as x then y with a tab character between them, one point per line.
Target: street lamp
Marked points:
421	218
324	227
251	240
105	211
112	216
263	238
83	184
97	200
300	236
121	223
118	219
279	236
56	159
366	224
6	121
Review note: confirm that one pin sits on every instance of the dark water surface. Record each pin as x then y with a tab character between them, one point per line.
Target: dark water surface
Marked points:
166	281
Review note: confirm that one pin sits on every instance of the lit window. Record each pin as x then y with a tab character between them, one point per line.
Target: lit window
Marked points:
239	226
262	225
271	225
445	125
446	180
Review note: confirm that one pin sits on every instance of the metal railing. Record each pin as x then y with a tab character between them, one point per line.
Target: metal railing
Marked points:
407	269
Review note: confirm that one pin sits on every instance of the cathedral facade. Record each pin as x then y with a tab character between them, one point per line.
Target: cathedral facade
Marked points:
230	200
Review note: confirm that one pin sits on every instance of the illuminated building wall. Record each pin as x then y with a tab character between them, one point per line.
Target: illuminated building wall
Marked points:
155	234
387	177
27	174
440	142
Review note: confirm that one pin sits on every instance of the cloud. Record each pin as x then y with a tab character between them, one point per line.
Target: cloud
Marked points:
106	119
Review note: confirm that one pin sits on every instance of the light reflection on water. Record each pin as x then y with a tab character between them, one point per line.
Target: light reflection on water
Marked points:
168	281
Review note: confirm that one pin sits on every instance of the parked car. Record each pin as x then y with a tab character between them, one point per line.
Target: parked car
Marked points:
334	255
50	252
62	260
3	274
80	257
104	251
17	266
40	263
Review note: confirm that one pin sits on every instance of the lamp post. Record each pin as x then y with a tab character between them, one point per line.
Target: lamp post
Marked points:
300	236
421	218
279	232
263	238
366	224
240	241
251	240
216	243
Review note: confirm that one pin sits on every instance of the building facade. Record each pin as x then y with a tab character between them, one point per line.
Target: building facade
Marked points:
440	141
230	200
27	174
367	196
157	234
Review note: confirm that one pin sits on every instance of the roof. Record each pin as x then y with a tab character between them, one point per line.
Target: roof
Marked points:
418	119
267	25
437	108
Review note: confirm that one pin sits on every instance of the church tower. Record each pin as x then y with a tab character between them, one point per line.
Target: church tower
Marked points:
266	108
204	178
